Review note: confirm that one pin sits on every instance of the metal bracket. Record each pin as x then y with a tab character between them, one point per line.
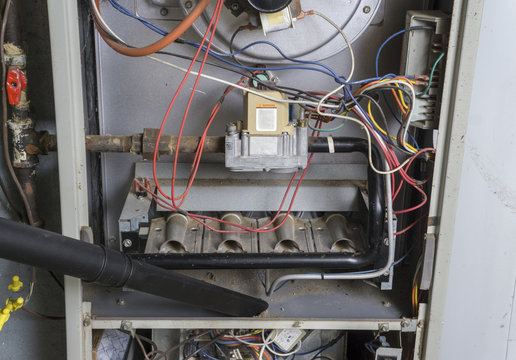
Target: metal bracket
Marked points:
126	326
87	234
428	262
383	327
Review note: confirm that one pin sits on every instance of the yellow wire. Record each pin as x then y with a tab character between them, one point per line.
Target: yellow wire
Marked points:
382	130
401	97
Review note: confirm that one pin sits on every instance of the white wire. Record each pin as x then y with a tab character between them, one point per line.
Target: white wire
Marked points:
213	78
368	135
330	21
262	95
413	99
266	342
353	275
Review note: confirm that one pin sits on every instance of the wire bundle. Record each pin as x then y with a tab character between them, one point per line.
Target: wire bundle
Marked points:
350	102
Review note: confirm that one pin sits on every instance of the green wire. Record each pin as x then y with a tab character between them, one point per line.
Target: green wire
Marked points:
432	74
327	130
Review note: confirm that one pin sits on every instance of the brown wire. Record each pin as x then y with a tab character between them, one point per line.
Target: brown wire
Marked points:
5	137
42	316
160	44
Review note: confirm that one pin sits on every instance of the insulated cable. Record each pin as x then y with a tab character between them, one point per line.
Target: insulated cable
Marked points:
160	44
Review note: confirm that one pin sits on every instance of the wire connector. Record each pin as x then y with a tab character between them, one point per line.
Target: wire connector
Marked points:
16	284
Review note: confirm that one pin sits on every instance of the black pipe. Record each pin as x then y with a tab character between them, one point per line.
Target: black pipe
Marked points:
375	231
94	263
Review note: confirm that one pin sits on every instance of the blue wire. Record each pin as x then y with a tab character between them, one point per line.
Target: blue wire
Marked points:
220	56
217	56
208	356
277	48
147	23
383	45
392	37
203	352
263	283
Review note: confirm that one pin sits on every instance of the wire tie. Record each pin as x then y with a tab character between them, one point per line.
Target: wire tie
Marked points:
331	145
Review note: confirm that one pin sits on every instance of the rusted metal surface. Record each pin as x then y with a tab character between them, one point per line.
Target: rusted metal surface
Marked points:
108	143
27	178
27	143
143	144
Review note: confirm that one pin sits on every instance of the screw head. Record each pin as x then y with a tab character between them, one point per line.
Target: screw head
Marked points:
367	9
235	6
120	302
386	241
405	324
188	4
163	11
127	243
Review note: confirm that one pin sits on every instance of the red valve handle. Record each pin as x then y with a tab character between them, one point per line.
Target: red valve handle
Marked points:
15	83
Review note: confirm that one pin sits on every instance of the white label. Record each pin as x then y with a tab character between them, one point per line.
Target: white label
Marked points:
266	119
287	338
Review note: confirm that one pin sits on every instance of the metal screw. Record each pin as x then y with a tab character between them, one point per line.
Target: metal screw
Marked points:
367	9
420	324
386	241
120	302
405	324
86	321
163	12
235	6
112	239
383	327
386	303
188	4
126	325
127	243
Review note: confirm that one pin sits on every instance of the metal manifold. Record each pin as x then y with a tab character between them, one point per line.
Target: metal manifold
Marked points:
178	234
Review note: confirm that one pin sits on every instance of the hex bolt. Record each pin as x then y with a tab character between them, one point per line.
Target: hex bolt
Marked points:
127	243
188	4
367	9
163	11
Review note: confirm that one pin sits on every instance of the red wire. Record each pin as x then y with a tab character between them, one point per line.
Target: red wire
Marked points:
411	225
199	151
183	196
213	19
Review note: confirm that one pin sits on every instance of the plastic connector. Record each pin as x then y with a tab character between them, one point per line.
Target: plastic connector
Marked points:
16	304
16	285
4	315
11	305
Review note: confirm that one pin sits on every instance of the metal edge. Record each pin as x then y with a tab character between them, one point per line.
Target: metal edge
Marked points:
236	323
462	50
69	109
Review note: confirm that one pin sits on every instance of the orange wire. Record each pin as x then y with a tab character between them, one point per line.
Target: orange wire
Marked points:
399	102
